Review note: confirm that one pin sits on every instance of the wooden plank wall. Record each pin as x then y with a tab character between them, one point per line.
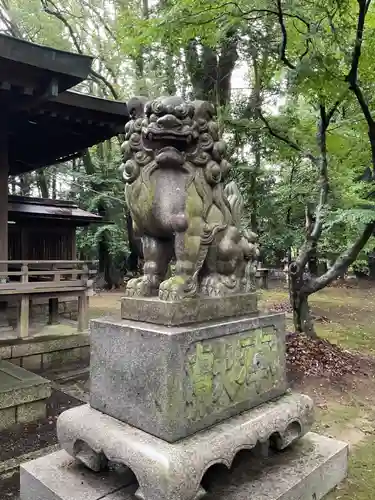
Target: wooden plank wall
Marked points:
42	242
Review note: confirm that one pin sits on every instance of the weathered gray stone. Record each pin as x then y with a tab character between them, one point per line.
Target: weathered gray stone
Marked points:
57	359
32	363
30	412
180	205
15	361
59	477
173	471
40	345
7	417
306	471
187	311
18	386
174	381
85	353
5	352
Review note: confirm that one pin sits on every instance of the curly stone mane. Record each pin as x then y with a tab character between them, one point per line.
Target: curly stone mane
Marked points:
174	168
206	164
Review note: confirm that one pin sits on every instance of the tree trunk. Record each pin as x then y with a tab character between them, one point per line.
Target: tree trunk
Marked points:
312	263
13	185
42	184
54	185
105	259
211	70
25	184
303	322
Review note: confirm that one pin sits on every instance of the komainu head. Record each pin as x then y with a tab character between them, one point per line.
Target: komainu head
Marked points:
171	131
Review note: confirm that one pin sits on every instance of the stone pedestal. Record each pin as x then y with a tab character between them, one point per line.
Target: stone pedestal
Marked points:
188	311
174	381
306	471
173	471
170	401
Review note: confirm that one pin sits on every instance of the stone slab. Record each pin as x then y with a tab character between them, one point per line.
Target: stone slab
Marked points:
188	311
59	358
43	344
5	352
33	362
18	386
30	412
57	476
7	417
306	471
173	471
174	381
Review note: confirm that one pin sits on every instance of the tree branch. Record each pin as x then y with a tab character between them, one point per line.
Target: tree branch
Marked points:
316	231
286	140
6	18
57	14
352	77
284	37
341	263
323	172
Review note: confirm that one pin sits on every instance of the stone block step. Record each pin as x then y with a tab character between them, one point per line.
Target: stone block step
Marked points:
23	395
308	470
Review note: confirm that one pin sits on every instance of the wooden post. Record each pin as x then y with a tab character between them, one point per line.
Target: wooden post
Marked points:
57	276
25	306
265	273
83	302
53	311
53	304
4	173
83	312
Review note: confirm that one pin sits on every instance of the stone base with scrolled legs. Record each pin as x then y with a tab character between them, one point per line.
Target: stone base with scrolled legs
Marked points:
174	471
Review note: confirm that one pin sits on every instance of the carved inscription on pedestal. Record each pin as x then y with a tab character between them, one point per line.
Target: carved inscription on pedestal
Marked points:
227	371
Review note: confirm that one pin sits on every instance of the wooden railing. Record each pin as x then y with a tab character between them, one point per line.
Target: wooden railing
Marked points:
36	275
51	279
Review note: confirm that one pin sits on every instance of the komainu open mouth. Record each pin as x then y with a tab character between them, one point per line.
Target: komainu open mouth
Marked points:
155	139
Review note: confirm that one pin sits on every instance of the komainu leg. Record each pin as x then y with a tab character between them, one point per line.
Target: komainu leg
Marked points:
157	255
225	265
187	250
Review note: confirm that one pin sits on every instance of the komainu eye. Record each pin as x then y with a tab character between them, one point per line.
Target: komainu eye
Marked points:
181	111
157	107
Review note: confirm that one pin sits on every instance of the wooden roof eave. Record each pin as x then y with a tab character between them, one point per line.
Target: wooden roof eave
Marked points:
29	65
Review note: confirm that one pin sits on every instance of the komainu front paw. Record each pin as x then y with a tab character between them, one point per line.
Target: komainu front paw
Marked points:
176	288
142	287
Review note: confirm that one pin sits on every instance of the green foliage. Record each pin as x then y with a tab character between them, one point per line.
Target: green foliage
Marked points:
172	45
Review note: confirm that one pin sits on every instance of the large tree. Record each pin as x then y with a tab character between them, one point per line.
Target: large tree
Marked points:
320	47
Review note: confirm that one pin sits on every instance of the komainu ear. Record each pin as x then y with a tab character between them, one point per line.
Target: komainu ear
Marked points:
136	106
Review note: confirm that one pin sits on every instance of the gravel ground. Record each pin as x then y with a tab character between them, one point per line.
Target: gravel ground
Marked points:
21	439
9	488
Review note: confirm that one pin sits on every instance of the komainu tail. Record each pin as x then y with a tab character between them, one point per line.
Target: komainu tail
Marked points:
236	202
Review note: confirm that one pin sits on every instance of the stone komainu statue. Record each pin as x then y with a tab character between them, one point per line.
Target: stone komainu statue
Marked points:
174	169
